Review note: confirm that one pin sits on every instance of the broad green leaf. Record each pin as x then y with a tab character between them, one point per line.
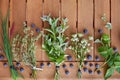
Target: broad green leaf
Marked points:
118	69
103	51
109	72
117	58
117	63
105	39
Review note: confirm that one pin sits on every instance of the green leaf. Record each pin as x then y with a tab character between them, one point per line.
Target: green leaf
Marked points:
109	72
105	39
117	58
118	69
117	63
103	51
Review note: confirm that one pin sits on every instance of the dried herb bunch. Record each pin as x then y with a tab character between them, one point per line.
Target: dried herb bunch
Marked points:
7	46
80	47
24	48
55	42
112	58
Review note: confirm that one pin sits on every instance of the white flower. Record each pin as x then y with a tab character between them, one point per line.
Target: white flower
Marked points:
80	35
91	38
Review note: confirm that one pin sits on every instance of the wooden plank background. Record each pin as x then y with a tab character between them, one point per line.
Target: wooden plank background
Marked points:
82	14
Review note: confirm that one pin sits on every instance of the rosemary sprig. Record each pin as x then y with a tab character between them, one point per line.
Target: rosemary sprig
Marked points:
7	46
55	42
24	48
80	47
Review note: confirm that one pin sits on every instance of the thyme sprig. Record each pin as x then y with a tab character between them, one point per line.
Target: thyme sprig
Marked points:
55	42
24	48
80	47
7	46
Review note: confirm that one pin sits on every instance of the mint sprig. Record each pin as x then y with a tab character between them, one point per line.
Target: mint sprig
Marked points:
55	42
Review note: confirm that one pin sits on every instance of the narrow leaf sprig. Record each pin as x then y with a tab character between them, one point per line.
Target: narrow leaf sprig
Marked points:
80	47
24	48
7	46
112	58
55	42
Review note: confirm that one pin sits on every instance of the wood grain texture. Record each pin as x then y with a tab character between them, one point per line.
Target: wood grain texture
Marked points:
85	19
50	7
34	13
17	15
101	7
4	5
115	19
67	9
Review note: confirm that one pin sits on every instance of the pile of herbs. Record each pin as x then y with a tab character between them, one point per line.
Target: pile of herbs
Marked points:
7	46
55	42
112	58
80	47
24	48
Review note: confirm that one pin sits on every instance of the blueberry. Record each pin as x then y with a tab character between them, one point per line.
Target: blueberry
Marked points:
89	57
57	67
17	64
42	65
67	72
85	63
85	31
91	65
64	66
97	58
100	31
99	72
69	58
79	71
97	65
21	69
1	57
32	25
71	65
5	64
48	64
90	72
115	49
37	30
85	69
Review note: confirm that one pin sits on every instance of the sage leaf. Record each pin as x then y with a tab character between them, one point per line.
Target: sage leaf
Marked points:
109	73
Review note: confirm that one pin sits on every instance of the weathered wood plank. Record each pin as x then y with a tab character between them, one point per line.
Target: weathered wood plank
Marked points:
115	19
67	9
85	19
34	13
17	15
101	7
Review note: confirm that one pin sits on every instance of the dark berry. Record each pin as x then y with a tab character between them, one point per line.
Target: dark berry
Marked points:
48	64
97	58
71	65
32	25
57	67
67	72
1	57
37	30
5	64
89	57
99	72
21	69
69	58
17	64
97	65
115	49
85	69
100	31
90	72
42	65
85	63
91	65
85	31
64	66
